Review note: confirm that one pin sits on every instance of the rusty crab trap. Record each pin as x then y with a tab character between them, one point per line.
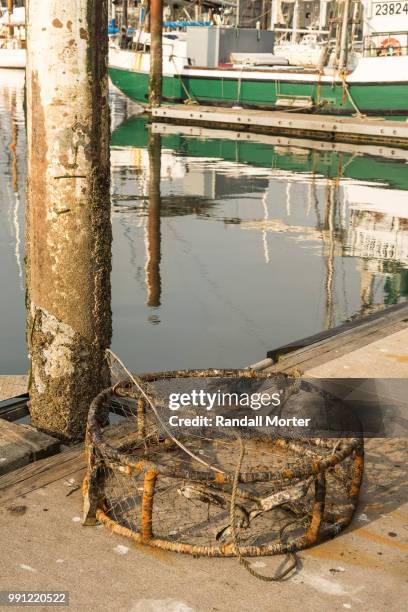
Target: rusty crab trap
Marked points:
210	491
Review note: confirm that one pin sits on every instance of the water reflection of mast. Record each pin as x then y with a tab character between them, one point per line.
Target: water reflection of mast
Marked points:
153	279
366	290
264	233
13	149
329	226
14	176
367	278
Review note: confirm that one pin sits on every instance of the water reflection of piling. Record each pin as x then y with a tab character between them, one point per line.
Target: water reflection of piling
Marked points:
153	278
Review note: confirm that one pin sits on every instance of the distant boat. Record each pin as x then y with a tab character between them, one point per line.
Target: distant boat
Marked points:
378	85
12	57
13	48
309	52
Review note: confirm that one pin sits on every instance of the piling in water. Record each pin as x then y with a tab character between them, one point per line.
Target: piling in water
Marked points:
10	9
68	219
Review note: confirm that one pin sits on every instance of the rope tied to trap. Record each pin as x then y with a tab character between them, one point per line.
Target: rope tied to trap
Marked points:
233	519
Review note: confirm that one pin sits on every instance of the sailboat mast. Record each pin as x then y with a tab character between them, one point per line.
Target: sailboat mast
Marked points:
274	13
344	36
264	14
124	13
295	21
355	23
323	14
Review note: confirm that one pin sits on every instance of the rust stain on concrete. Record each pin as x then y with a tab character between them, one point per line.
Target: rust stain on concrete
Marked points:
345	553
379	539
399	358
338	551
165	556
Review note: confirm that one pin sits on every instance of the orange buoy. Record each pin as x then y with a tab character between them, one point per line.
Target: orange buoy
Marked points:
390	46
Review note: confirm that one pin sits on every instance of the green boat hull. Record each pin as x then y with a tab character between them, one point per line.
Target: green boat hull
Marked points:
382	99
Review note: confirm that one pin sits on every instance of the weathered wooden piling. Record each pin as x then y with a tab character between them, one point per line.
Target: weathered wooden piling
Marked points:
68	219
156	52
10	9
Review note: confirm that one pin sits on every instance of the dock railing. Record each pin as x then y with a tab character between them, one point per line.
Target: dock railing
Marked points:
386	44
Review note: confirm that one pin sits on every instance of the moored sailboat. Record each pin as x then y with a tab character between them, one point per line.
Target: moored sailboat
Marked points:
378	85
12	37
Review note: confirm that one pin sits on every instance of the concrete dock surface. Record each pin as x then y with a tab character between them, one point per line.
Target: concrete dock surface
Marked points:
11	386
44	545
384	358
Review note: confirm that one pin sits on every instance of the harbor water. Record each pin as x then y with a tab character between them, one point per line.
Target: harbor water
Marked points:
236	248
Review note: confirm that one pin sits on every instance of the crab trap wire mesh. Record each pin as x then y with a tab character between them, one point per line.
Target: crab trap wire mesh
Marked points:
214	491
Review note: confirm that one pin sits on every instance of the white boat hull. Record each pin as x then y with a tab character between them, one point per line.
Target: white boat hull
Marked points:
12	58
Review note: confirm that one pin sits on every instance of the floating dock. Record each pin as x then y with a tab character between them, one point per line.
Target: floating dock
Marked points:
320	127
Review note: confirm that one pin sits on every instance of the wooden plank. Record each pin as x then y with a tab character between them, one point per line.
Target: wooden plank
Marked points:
399	312
306	351
308	358
376	320
21	444
41	473
356	339
326	351
14	408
